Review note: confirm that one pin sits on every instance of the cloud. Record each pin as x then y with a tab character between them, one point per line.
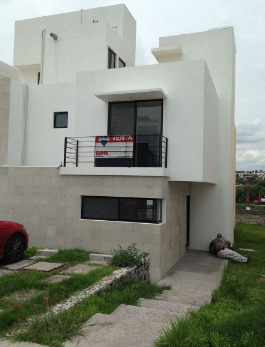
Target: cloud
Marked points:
251	132
251	145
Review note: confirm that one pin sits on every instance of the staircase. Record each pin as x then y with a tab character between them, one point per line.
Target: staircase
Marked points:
192	282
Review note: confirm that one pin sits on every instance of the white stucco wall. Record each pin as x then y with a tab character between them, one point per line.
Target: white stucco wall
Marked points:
80	48
17	123
80	45
212	207
7	71
44	143
29	74
183	121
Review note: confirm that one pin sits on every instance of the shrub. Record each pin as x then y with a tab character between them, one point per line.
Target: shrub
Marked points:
30	252
129	257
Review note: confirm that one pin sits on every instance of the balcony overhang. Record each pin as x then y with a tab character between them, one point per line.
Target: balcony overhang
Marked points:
129	95
169	53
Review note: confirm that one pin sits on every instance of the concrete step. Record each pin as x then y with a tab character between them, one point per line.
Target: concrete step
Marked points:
128	326
100	257
46	252
145	314
177	308
198	298
186	279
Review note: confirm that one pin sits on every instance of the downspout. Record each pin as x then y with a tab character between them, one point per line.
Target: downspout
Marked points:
43	34
24	125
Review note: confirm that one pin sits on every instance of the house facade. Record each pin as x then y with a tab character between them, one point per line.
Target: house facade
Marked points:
97	152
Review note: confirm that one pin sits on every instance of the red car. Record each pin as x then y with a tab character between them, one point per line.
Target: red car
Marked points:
13	241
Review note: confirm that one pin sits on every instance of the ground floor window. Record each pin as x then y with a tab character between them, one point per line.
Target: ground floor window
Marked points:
121	209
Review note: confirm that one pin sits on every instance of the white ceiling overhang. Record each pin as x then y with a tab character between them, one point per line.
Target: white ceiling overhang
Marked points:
129	95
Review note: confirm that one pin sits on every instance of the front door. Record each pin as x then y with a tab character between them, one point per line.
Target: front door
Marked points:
143	120
187	221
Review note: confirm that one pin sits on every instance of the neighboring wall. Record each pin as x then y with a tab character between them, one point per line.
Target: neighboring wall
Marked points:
49	205
250	217
4	118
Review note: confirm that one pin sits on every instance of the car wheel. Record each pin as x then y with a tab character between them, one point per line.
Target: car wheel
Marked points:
15	248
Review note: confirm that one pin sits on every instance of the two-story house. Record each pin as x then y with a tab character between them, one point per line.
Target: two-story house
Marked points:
97	152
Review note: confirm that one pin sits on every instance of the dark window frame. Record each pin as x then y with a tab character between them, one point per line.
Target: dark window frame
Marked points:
123	63
135	113
136	102
55	114
153	221
110	54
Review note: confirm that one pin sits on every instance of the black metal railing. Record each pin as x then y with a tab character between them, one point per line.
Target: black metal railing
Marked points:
115	151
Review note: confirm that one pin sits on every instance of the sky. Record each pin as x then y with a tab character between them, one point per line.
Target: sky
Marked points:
175	17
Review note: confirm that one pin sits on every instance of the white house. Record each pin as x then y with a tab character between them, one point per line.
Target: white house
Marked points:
97	152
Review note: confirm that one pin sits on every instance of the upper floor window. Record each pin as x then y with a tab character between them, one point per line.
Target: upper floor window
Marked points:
111	59
121	63
60	120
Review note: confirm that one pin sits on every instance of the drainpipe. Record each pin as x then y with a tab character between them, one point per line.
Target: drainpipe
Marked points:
43	34
24	125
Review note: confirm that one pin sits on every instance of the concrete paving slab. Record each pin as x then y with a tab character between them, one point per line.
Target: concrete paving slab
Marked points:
22	295
4	272
57	278
19	265
44	266
80	269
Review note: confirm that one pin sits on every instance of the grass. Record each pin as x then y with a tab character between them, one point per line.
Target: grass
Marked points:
53	331
73	256
50	293
236	315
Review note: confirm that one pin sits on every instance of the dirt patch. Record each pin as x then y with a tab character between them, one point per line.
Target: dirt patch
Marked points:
21	296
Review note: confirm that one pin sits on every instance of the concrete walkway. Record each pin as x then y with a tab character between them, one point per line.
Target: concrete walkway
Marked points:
192	282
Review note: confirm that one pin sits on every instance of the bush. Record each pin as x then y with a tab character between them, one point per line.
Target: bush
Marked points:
128	257
30	252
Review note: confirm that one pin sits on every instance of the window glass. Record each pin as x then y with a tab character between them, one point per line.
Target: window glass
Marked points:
121	209
121	63
121	118
149	117
141	210
111	59
99	208
60	119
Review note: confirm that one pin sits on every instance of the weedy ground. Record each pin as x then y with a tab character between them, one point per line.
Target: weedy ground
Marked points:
235	317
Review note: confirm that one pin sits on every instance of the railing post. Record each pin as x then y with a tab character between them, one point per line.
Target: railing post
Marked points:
76	153
166	152
65	150
160	151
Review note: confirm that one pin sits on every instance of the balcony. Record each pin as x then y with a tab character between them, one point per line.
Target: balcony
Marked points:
116	151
